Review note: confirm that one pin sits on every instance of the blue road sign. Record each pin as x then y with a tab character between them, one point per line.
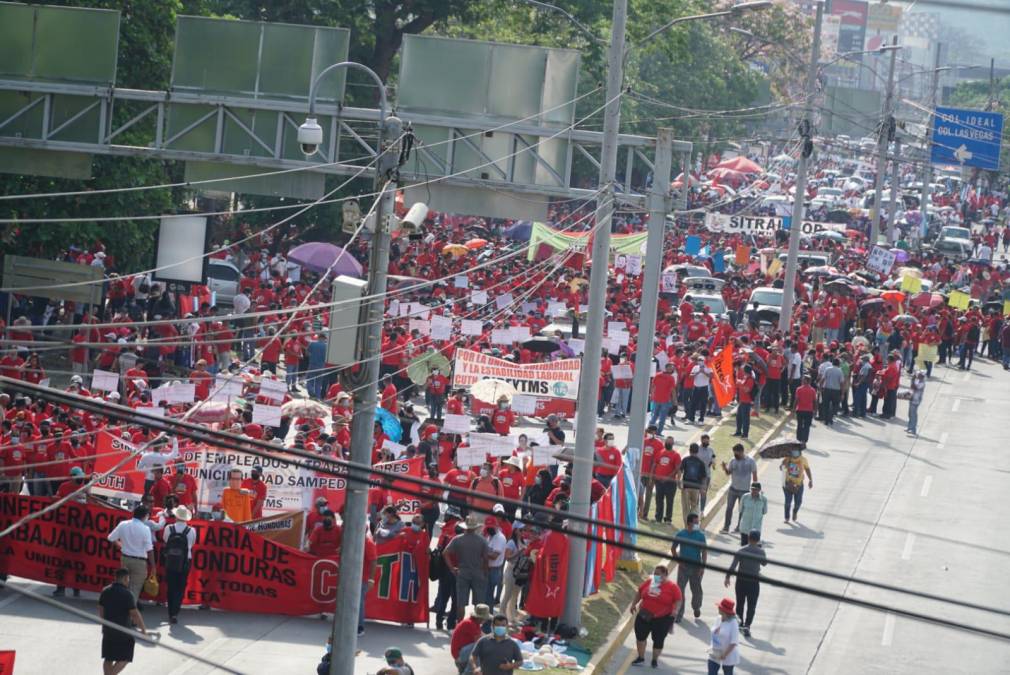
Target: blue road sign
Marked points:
967	137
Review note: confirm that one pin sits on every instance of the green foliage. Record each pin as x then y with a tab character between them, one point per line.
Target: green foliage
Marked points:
975	95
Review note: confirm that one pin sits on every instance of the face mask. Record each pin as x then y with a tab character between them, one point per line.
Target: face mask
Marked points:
538	480
218	515
434	372
657	579
328	524
669	446
415	527
502	406
500	631
391	662
610	443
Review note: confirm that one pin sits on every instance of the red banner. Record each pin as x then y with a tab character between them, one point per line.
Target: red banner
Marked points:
7	662
406	504
233	569
546	596
400	592
562	407
126	482
723	380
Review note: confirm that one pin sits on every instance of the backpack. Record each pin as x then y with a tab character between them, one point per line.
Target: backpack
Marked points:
523	569
176	551
436	564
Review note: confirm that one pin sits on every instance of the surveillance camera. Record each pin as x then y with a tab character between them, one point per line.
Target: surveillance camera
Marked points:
310	136
415	217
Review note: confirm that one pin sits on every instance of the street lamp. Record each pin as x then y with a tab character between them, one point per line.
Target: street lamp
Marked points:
732	11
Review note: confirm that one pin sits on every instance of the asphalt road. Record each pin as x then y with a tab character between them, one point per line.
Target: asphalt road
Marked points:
922	513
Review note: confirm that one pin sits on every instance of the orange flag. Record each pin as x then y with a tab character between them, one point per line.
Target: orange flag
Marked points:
723	381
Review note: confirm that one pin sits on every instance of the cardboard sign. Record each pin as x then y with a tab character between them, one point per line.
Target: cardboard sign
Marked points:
105	380
478	297
668	282
470	327
493	444
267	415
455	424
273	390
524	405
460	281
880	260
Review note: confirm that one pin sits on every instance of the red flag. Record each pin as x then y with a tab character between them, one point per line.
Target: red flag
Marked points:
400	593
723	382
7	662
547	584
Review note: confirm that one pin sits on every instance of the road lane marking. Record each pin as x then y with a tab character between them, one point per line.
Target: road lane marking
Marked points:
888	636
925	486
906	553
943	440
957	404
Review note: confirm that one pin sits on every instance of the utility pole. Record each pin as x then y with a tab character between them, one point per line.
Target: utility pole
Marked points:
585	419
883	138
355	515
927	177
796	226
892	212
659	206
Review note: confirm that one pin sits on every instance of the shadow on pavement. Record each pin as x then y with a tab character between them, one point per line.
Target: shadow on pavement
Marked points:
183	633
802	531
763	646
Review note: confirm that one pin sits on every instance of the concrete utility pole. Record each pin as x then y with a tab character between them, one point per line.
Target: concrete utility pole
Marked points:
659	206
892	212
927	174
589	377
795	228
355	516
883	138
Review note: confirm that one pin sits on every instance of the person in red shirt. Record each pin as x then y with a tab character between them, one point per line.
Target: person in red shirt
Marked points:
270	353
608	460
469	630
650	448
161	488
324	541
293	350
74	483
773	389
503	418
806	399
259	490
458	478
389	394
664	387
511	477
891	379
745	386
435	391
657	604
202	379
666	463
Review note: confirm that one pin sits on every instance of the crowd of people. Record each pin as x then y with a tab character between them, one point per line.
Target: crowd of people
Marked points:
853	335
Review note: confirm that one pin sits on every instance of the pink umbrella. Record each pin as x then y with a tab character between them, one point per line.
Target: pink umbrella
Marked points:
741	164
321	257
725	175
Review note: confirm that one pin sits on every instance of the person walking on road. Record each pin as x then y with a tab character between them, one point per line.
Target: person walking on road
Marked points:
748	560
655	607
723	651
468	555
136	548
831	391
691	563
753	508
918	388
803	401
742	471
118	605
794	467
706	453
666	464
177	554
692	474
664	388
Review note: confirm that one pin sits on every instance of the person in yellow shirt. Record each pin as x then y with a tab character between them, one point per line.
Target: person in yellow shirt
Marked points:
794	467
236	500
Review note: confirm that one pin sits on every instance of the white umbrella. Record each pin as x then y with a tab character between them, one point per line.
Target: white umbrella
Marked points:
491	390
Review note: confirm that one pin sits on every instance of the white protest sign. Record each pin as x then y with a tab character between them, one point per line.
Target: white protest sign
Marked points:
556	308
662	358
467	456
397	449
394	308
543	455
455	424
105	380
612	345
523	404
404	308
668	282
460	281
478	297
229	385
520	333
267	415
622	337
577	345
493	444
273	390
615	326
622	371
184	392
529	307
419	310
470	327
441	328
501	336
420	325
503	301
634	265
880	260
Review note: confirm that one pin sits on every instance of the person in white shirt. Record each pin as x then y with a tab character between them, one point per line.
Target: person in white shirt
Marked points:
701	375
136	548
156	459
724	648
497	543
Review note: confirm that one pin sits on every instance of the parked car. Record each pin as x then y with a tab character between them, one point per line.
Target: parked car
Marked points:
222	280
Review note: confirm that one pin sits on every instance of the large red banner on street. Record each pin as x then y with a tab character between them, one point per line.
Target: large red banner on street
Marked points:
233	569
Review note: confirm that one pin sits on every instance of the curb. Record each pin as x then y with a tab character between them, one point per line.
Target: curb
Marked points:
620	632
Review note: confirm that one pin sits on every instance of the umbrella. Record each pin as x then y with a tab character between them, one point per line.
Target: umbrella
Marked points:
905	318
490	390
840	287
390	424
830	234
924	299
521	231
821	271
420	367
542	345
730	176
455	250
741	164
304	407
475	244
893	296
780	449
322	257
872	302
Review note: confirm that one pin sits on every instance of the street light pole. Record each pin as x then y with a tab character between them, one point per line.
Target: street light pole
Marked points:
883	138
355	515
927	176
659	206
796	225
585	419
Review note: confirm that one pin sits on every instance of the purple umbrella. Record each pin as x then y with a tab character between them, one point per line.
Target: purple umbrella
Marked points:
900	255
321	257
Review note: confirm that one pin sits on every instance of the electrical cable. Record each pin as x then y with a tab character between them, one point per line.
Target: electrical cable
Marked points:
264	450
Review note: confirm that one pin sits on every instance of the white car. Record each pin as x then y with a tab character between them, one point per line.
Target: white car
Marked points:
222	280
